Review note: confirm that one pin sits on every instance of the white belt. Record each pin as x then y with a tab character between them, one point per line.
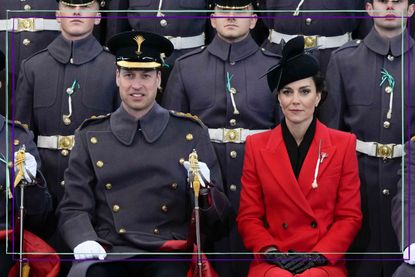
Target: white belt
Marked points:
238	135
29	25
56	142
374	149
312	41
187	42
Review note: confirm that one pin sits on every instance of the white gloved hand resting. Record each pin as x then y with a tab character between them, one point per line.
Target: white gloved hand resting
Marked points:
409	259
203	170
30	165
88	250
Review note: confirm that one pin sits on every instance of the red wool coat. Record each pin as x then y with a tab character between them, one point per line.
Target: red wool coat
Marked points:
278	210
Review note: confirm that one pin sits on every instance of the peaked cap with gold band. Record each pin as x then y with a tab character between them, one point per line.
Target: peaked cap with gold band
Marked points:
76	2
139	49
232	4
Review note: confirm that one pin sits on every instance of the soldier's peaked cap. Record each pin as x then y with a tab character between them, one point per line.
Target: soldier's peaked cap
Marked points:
295	65
76	2
232	4
135	49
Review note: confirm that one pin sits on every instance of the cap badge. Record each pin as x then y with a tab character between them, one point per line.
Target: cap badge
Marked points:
139	40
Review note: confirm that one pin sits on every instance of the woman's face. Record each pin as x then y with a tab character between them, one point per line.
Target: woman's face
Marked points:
298	101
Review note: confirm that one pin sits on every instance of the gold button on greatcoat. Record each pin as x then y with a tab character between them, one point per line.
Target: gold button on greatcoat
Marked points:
232	122
391	58
100	164
62	183
233	154
115	208
65	153
94	140
385	192
102	4
164	208
108	186
10	164
181	161
189	137
163	23
156	231
26	42
16	142
232	187
386	124
308	21
27	7
174	186
121	231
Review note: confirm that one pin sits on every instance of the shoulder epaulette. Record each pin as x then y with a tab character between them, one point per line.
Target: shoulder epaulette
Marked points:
193	52
93	119
36	53
269	53
350	44
19	124
189	116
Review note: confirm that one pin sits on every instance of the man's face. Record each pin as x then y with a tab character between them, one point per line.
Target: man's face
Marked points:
389	13
78	22
230	26
138	89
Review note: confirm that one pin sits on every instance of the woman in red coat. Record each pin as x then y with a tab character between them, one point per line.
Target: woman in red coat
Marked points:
300	199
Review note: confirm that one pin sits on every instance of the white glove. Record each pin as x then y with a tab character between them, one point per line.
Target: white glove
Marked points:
88	250
30	165
409	259
203	170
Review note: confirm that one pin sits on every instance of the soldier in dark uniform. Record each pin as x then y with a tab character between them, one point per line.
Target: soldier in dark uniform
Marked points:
28	32
221	84
324	33
367	81
405	199
37	201
126	185
59	87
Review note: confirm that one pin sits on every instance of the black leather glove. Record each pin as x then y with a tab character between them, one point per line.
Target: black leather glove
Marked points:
276	258
299	263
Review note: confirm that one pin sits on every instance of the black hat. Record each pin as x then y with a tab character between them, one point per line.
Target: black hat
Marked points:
2	61
295	65
232	4
140	49
76	2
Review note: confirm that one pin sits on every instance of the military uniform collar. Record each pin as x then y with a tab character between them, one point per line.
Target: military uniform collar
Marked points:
152	125
384	46
81	51
233	52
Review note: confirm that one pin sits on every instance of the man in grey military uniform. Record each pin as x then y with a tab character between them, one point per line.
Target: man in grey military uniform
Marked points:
222	85
127	187
59	87
404	220
321	30
28	32
367	81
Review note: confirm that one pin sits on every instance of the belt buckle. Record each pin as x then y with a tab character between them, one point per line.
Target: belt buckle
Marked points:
232	135
25	24
384	151
65	142
310	41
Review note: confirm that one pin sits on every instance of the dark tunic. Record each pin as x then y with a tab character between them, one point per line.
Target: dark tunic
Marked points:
357	102
125	186
42	100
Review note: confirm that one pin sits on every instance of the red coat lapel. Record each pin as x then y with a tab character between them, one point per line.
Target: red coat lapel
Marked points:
276	159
